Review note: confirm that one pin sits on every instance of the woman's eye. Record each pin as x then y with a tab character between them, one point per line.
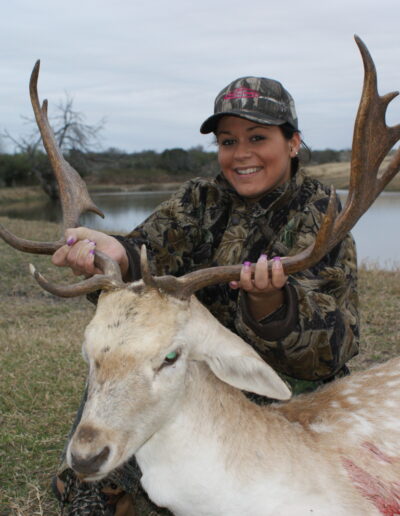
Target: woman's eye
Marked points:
257	138
226	142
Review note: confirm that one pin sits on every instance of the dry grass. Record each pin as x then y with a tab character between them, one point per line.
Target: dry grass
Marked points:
42	372
21	194
380	323
337	174
42	376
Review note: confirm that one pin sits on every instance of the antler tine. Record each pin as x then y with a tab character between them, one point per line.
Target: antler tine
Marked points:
147	277
29	246
74	196
110	280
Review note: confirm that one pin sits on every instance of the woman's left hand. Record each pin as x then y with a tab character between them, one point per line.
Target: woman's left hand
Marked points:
264	290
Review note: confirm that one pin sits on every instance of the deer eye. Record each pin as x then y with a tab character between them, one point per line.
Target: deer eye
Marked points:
171	358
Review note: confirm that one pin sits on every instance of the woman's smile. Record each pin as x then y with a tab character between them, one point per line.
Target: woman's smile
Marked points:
247	171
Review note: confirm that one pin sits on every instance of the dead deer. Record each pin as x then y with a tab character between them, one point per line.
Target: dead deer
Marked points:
168	388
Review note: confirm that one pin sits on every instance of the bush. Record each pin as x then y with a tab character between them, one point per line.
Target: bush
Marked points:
15	170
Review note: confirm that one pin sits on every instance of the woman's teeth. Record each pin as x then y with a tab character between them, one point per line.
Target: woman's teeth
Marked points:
246	171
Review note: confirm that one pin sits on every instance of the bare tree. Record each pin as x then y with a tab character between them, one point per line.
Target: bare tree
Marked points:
75	137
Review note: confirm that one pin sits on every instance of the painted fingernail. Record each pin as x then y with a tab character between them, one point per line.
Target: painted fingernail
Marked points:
246	264
263	258
276	260
233	284
71	241
92	251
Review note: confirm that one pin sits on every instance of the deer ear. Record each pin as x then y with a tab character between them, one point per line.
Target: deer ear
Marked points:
248	372
233	361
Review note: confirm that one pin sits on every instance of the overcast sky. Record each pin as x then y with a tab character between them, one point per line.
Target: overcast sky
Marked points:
153	68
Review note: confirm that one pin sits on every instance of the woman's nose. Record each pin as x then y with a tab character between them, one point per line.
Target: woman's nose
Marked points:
242	151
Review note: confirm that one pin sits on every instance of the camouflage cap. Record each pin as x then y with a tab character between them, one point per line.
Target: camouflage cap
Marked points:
255	98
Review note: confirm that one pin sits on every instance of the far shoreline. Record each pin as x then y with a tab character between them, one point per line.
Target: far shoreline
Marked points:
331	174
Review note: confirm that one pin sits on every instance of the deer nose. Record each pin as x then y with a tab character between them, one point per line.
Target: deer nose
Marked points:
89	465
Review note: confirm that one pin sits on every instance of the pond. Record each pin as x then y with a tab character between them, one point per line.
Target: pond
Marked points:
377	234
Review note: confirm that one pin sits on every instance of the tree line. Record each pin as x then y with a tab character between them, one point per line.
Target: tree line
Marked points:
31	167
79	142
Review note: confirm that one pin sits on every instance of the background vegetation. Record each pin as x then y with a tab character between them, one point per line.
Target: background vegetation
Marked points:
113	166
42	372
117	169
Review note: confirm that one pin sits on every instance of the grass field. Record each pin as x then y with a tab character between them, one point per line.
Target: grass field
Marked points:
42	372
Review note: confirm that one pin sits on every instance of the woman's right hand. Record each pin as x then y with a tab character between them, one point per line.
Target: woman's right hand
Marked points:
78	252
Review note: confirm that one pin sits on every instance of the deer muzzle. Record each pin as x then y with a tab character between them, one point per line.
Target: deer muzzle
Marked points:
89	465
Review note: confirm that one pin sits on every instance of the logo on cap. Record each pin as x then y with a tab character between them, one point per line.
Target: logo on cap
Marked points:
242	93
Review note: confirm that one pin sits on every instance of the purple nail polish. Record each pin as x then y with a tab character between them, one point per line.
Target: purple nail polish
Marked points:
92	251
276	262
246	264
263	258
71	241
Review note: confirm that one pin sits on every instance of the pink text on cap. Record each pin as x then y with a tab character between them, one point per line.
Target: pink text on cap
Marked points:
240	93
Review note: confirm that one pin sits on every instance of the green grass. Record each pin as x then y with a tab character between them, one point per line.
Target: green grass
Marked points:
42	372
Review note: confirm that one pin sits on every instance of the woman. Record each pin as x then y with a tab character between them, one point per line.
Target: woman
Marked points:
260	207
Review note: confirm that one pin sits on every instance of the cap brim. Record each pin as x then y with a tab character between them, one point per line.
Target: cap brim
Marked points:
210	125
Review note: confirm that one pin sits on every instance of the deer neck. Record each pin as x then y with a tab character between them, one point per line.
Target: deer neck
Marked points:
217	425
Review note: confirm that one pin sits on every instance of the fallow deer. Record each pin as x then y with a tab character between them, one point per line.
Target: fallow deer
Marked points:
167	388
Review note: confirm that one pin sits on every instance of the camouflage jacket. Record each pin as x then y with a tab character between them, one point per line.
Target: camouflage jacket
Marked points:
206	223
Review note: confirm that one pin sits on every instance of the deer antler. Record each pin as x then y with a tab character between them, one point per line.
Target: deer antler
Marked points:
74	196
75	200
372	140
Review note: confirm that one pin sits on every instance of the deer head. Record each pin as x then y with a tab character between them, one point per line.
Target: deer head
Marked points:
141	369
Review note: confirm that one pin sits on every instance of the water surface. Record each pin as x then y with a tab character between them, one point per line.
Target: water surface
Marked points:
377	233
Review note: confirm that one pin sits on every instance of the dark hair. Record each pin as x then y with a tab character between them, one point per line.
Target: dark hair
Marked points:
288	132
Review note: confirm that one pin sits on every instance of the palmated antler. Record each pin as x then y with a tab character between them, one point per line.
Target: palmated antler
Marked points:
75	200
372	141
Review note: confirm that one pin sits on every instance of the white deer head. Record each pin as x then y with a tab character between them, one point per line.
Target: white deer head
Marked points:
139	368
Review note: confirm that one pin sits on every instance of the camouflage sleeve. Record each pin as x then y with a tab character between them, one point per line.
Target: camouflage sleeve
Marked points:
171	234
318	331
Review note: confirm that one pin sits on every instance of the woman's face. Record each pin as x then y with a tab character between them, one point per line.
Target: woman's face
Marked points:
254	158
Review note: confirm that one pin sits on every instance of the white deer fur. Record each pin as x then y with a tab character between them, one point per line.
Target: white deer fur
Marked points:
203	447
